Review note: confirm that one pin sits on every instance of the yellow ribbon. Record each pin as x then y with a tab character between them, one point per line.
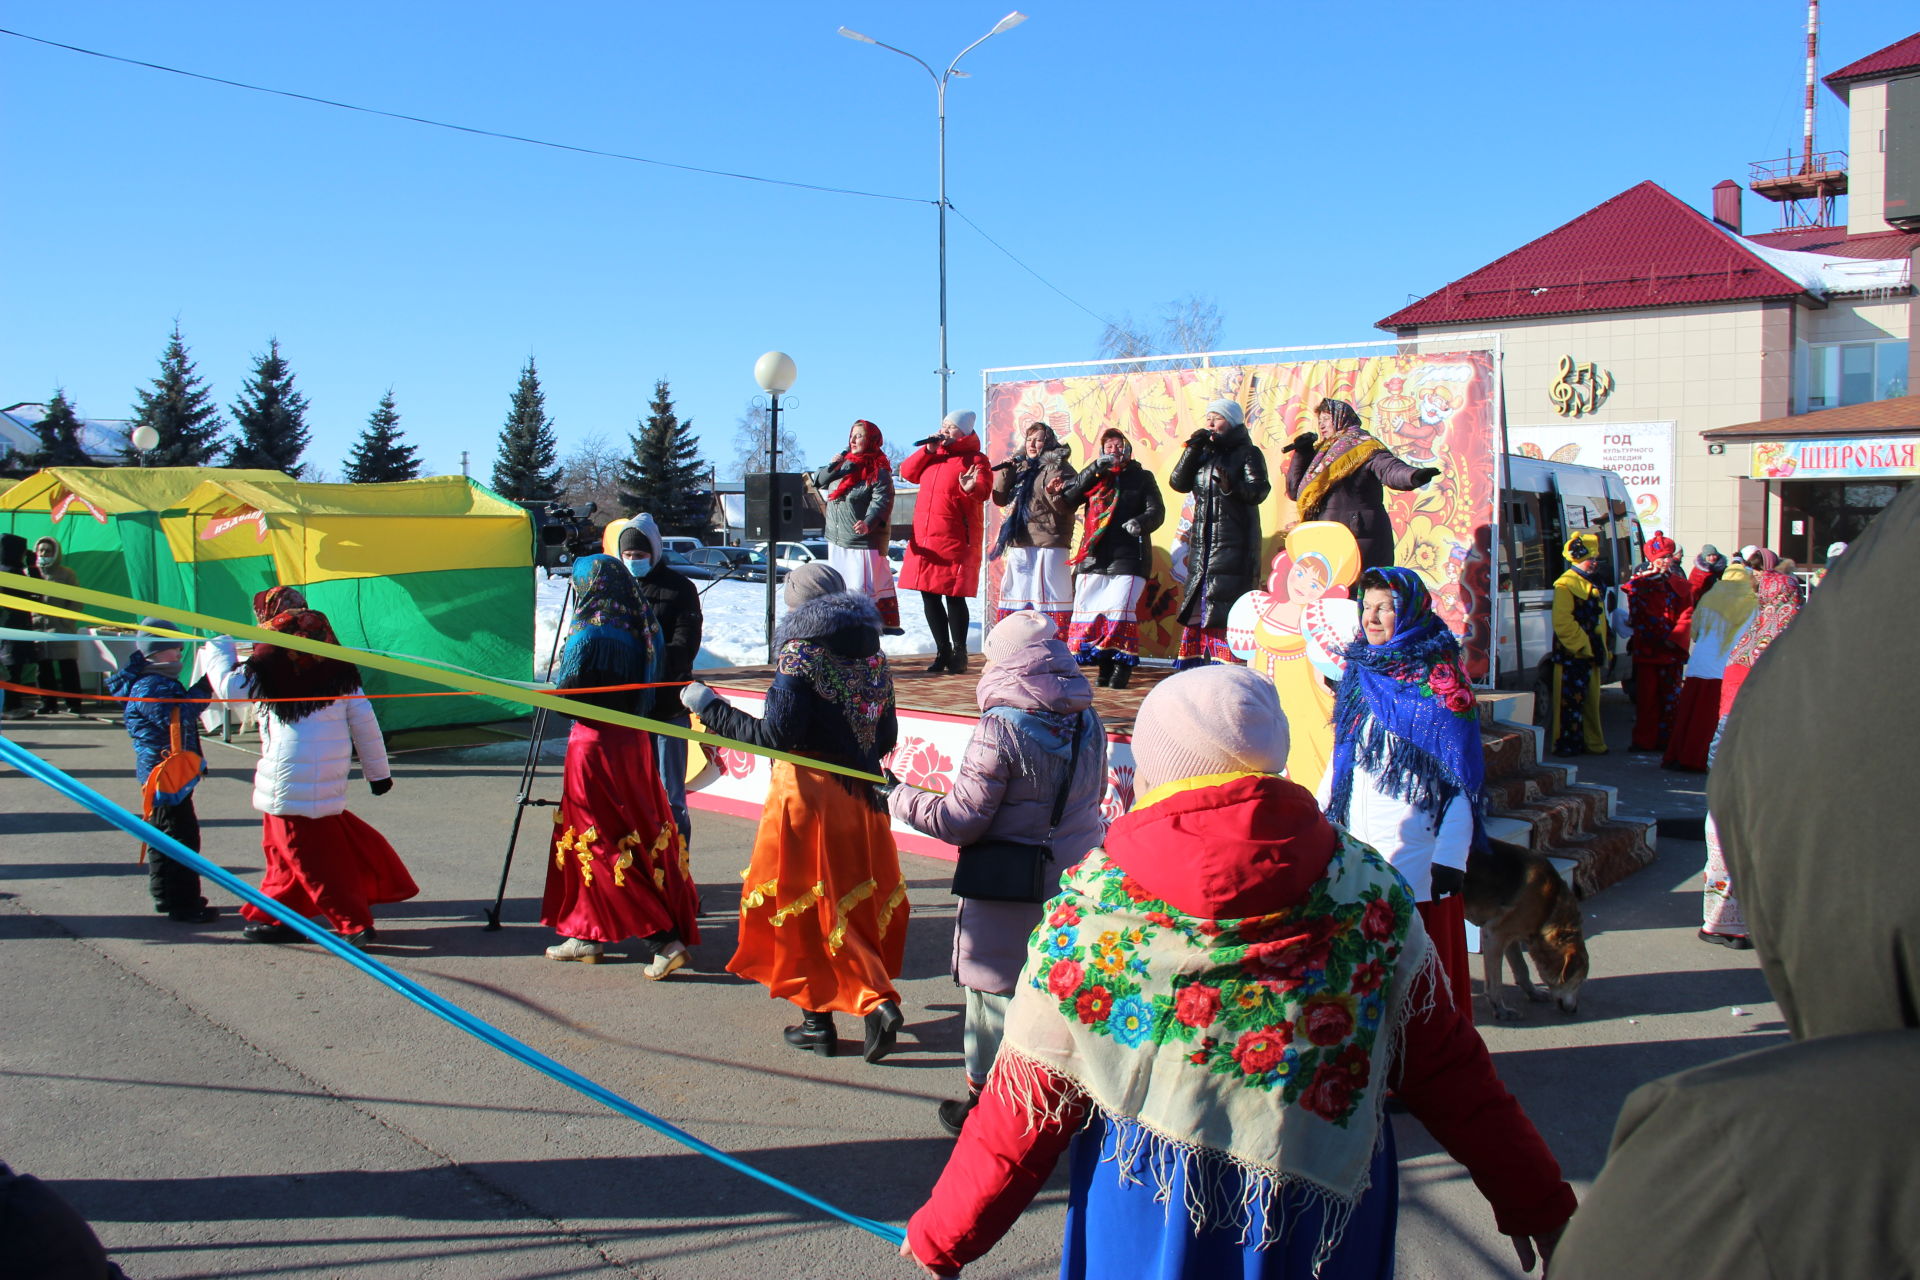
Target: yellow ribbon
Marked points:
55	611
412	670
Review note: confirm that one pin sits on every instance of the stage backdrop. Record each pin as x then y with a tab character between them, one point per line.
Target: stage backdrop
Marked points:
1435	410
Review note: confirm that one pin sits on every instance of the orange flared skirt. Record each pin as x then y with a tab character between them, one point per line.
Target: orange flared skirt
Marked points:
823	912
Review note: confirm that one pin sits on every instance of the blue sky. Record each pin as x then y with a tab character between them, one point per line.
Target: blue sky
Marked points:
1307	166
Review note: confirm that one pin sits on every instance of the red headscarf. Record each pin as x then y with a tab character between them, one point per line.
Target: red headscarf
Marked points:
275	600
280	673
865	464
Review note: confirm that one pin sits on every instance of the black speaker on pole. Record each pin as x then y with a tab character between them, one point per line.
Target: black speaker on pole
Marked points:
777	511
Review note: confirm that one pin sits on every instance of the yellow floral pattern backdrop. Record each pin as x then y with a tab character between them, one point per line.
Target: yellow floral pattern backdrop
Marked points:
1431	409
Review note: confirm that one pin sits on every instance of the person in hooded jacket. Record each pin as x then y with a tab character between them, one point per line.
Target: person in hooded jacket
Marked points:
823	910
619	867
1037	735
857	490
1119	502
322	860
1658	601
1207	1025
21	658
943	556
1582	651
1227	475
1036	531
152	672
59	659
675	604
1342	473
1798	1160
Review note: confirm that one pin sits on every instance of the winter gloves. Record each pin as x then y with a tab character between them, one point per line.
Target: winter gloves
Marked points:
697	697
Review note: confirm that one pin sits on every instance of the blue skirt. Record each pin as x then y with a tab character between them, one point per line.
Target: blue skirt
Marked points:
1119	1230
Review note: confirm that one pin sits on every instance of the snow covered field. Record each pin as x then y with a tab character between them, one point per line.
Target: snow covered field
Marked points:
736	628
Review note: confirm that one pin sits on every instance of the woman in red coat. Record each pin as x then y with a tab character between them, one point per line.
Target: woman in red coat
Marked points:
943	556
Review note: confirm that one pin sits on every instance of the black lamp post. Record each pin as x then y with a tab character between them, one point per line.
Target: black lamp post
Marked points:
775	373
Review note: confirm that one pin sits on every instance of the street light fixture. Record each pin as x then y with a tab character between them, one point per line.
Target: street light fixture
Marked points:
940	80
775	373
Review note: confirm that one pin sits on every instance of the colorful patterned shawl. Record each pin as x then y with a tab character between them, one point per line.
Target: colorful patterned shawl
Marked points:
1778	595
613	634
277	674
1334	459
1260	1046
1101	497
864	465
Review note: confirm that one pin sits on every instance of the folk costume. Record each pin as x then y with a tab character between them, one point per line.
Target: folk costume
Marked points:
1344	476
1036	531
1582	652
1227	475
857	487
1119	502
617	866
1408	765
1716	622
1657	607
943	555
823	910
1210	1019
1797	1159
321	860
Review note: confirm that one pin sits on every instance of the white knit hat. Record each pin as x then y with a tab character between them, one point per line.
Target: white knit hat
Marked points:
1015	632
1230	410
1214	719
960	419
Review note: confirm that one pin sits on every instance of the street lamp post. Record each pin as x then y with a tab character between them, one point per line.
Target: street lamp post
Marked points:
940	79
775	373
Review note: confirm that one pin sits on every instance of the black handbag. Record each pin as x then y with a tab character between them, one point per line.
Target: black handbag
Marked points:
993	870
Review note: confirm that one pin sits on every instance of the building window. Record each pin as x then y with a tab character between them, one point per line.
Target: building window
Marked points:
1837	373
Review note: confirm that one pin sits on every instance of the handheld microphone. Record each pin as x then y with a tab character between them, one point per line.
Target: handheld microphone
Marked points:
1009	464
929	440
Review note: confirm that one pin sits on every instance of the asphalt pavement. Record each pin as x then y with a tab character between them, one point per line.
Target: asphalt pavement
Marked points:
221	1108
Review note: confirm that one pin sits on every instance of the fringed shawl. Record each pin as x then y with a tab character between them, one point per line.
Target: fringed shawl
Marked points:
1255	1052
613	638
864	466
1778	597
1335	458
278	674
1405	714
1102	497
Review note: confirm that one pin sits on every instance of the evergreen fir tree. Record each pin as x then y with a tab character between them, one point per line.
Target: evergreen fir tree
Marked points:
527	469
664	473
381	455
178	407
271	416
59	435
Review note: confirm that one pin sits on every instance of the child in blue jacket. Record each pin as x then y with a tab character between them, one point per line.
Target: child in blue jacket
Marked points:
154	672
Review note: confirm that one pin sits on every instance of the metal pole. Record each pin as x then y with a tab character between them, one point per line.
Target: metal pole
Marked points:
773	505
940	97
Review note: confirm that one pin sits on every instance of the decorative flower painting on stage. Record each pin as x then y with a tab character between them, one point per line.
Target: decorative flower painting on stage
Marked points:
1433	410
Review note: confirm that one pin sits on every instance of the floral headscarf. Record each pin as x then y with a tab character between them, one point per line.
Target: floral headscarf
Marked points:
865	460
614	638
277	600
1779	604
1334	458
280	673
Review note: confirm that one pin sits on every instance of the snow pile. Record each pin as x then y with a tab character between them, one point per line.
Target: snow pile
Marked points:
1823	273
735	633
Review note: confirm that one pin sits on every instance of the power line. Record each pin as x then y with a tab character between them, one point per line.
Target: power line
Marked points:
462	128
1029	270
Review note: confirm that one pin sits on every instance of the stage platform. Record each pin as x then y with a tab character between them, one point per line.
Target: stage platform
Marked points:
937	716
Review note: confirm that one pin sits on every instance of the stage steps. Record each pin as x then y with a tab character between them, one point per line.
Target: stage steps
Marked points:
1536	805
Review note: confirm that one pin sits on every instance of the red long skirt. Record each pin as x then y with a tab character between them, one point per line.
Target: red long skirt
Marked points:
1446	923
1693	724
335	867
617	867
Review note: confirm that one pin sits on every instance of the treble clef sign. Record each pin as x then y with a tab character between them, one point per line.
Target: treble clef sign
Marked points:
1562	388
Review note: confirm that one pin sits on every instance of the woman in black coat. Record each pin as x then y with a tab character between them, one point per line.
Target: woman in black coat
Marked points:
1343	474
1227	475
1122	508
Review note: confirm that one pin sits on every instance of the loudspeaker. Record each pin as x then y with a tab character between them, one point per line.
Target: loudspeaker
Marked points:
776	512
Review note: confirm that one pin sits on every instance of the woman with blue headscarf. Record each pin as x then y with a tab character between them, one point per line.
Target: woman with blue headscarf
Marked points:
618	866
1407	765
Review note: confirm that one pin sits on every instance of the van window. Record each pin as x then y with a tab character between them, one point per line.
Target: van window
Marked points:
1533	533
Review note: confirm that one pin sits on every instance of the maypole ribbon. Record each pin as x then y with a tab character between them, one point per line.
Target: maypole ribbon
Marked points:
475	1026
482	685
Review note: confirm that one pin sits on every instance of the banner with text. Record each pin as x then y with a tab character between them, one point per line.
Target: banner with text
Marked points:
1640	453
1847	459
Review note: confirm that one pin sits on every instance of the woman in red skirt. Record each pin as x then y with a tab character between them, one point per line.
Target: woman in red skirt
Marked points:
618	865
322	861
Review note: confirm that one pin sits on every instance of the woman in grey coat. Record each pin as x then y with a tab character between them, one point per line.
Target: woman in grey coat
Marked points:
857	489
1035	706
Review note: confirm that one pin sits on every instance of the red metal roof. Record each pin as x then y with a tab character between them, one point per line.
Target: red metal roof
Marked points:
1644	248
1836	241
1902	55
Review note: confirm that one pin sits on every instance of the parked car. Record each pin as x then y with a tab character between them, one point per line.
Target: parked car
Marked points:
897	552
685	563
791	555
682	543
736	563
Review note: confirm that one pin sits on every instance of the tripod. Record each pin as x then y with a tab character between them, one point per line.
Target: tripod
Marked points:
525	799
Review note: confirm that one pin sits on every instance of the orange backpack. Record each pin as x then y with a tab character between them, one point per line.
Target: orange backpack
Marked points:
174	778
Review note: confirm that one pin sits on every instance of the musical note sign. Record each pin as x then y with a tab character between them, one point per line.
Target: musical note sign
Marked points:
1580	388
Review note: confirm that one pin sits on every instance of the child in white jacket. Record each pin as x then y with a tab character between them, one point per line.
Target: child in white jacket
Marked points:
321	860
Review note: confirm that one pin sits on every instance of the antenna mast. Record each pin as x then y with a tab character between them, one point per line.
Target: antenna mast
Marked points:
1810	178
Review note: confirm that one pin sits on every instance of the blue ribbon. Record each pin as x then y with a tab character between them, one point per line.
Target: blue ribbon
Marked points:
482	1030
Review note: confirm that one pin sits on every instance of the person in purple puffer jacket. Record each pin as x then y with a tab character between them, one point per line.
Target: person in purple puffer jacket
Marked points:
1035	703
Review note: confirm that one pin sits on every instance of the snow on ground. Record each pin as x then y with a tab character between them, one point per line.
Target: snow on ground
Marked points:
736	623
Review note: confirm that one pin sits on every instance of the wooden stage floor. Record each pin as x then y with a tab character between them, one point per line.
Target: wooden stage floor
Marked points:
915	690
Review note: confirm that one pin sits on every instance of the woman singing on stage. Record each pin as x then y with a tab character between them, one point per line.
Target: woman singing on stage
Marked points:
1037	531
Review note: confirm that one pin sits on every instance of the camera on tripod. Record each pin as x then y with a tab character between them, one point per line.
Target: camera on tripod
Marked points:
562	534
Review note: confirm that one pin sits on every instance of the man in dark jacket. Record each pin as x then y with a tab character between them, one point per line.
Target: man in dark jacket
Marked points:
675	602
154	672
1227	475
21	658
1343	474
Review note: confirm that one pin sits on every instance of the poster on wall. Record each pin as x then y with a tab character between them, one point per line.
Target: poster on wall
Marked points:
1640	453
1433	410
1842	459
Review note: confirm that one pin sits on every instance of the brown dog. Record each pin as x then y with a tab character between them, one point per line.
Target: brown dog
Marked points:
1520	902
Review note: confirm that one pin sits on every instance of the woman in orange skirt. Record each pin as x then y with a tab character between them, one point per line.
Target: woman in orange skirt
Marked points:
823	912
618	866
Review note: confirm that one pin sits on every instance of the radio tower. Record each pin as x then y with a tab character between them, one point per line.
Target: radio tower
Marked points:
1804	186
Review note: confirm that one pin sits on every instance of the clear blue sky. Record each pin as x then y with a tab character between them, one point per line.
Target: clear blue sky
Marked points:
1308	166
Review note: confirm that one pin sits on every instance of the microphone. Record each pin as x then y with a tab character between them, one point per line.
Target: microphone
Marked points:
1009	464
929	440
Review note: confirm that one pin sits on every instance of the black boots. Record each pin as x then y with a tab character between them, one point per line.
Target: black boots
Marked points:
954	1111
1121	674
815	1032
883	1027
938	667
1106	670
